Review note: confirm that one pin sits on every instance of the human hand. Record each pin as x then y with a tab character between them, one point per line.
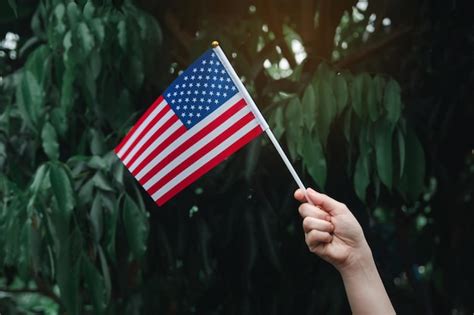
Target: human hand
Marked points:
331	230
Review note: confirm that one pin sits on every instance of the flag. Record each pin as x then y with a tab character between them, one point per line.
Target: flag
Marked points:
200	119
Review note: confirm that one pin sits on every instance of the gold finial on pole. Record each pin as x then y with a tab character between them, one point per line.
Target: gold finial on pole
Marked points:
214	44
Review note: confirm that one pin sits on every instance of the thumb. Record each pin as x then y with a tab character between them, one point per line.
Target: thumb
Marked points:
325	202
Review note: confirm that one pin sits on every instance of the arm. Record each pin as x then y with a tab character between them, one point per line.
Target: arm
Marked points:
333	233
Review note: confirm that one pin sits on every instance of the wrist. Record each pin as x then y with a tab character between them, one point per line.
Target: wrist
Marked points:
360	258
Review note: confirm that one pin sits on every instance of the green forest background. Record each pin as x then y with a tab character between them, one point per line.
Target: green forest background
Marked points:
373	101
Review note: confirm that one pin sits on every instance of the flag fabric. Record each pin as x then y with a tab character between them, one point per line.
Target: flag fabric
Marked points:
200	119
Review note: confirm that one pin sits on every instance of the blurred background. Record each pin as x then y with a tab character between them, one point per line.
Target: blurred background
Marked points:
372	100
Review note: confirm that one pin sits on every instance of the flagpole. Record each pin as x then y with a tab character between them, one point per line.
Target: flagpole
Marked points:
258	115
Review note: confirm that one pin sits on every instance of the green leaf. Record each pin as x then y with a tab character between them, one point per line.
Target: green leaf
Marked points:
30	99
383	152
95	286
85	38
314	160
14	6
62	188
309	107
50	141
73	13
97	217
341	92
294	124
276	120
357	87
371	98
326	110
361	176
59	120
122	34
136	227
379	85
88	10
392	101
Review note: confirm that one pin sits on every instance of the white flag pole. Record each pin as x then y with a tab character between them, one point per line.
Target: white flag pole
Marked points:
256	112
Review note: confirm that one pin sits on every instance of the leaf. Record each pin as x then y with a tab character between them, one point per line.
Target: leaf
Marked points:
341	92
326	110
97	217
72	13
85	38
371	98
88	11
361	176
50	141
105	273
13	6
59	120
313	158
95	286
122	34
356	95
276	120
379	84
392	101
309	107
136	227
383	153
101	182
294	124
62	188
30	99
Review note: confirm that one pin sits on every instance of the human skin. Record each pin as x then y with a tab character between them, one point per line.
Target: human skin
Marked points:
334	234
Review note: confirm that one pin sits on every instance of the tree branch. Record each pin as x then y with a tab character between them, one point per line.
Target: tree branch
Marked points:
370	50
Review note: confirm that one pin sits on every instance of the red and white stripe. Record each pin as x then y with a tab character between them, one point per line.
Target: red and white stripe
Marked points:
165	157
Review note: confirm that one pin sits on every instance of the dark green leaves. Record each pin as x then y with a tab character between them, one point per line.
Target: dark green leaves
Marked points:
62	188
392	101
30	98
50	141
313	157
383	153
136	226
95	285
309	107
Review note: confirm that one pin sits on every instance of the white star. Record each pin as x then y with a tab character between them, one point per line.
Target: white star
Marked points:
211	62
222	71
200	77
216	101
221	79
213	85
211	93
198	84
178	107
198	115
207	107
189	122
220	86
168	95
179	100
194	70
202	100
196	92
192	106
225	94
209	100
218	93
172	101
194	100
226	87
205	85
189	92
192	77
200	107
212	54
190	85
207	77
228	80
204	62
203	92
183	114
214	78
233	88
202	69
184	85
181	93
190	114
186	100
185	78
209	70
174	94
185	107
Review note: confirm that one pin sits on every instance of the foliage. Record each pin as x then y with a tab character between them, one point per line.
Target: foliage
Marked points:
78	235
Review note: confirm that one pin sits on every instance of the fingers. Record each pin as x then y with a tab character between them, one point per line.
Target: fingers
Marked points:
310	223
307	210
299	195
325	202
315	237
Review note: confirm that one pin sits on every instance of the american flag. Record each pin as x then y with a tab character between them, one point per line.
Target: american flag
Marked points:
200	119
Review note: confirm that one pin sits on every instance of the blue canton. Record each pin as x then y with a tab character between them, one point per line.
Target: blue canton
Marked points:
200	89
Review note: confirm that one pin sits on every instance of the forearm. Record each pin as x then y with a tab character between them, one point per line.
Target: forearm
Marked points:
364	288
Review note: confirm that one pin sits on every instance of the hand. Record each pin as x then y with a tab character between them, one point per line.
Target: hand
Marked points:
331	230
